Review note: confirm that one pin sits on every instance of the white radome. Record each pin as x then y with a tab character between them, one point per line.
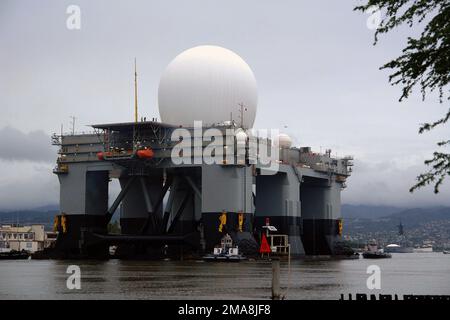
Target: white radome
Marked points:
241	137
207	83
284	141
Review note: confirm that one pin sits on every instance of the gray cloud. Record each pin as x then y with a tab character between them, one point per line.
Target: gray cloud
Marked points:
32	146
26	184
387	182
314	62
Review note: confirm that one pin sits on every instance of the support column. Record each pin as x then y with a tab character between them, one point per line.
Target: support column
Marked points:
228	189
321	215
83	203
278	198
135	204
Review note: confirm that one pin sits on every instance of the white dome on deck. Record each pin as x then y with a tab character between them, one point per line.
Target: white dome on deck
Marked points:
207	83
284	141
241	137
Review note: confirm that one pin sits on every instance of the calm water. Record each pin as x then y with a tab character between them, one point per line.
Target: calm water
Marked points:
414	273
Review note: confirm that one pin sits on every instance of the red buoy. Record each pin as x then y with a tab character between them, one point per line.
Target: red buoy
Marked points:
265	248
145	154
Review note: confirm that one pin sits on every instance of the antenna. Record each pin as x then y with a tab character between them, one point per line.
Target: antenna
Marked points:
73	124
242	108
400	228
135	93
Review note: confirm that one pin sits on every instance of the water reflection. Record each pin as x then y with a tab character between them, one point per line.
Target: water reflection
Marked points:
427	273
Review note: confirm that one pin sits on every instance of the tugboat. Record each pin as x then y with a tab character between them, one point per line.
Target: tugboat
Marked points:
372	251
225	252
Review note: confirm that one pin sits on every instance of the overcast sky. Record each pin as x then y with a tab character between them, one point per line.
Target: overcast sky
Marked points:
316	68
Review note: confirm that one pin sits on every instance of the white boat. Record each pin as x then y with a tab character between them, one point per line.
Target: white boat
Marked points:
424	249
396	248
226	251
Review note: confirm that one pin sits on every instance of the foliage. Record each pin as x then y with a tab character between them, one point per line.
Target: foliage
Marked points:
424	63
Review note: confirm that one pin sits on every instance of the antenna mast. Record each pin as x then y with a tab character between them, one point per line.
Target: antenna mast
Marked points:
73	124
135	93
242	109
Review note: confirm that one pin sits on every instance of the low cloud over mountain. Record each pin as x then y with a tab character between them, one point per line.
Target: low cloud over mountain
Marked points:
33	146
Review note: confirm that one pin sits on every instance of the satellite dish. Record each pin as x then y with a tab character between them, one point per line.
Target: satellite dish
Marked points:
271	228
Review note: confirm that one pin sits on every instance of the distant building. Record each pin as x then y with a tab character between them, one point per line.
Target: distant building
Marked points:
30	238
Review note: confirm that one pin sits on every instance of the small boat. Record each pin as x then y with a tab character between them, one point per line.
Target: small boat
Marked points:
446	252
14	255
226	252
396	248
376	255
372	251
424	249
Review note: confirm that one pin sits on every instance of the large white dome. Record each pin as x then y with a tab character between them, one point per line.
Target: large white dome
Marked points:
207	83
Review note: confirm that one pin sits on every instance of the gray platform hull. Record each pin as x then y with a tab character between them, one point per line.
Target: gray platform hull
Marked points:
162	199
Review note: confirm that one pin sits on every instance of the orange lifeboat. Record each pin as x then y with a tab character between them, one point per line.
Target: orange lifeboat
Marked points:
102	155
145	154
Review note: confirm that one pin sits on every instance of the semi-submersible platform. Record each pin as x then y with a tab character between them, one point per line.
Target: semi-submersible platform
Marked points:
167	208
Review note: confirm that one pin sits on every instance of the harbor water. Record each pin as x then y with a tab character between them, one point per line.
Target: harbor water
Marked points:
413	273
